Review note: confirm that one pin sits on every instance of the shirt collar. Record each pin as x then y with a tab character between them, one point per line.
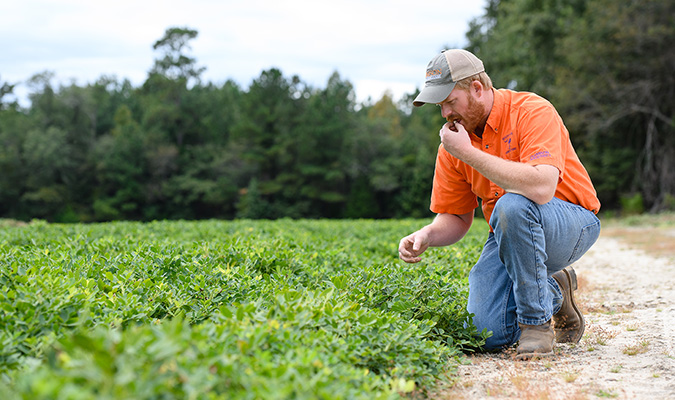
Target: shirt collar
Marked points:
495	117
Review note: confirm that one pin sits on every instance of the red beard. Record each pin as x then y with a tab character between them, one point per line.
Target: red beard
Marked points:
473	116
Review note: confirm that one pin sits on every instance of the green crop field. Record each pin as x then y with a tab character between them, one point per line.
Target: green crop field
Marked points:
302	309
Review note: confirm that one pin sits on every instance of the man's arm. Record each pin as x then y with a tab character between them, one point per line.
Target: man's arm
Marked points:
445	230
536	182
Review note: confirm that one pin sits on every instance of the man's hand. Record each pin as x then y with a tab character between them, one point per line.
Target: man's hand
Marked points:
445	230
411	246
455	139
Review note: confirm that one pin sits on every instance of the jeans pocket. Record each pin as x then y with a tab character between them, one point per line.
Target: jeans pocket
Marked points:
588	237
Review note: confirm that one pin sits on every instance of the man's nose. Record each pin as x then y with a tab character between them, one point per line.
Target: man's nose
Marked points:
446	112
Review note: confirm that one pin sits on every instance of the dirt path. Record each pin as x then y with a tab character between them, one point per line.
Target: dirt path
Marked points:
628	349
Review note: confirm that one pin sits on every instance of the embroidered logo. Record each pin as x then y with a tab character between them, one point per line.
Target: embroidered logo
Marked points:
507	140
541	154
434	74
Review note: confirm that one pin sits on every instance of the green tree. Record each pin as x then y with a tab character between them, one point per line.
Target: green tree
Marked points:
170	116
121	170
618	89
47	155
168	104
174	63
270	113
107	95
6	89
375	149
67	119
253	205
13	127
211	172
518	40
319	147
419	148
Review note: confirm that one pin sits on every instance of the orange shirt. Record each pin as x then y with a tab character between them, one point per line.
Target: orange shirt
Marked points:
522	127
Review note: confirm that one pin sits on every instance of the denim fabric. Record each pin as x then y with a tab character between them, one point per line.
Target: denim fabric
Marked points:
511	282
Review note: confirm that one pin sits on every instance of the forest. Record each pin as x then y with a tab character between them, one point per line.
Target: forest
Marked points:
177	147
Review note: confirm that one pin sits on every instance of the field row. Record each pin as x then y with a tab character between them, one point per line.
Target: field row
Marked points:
228	309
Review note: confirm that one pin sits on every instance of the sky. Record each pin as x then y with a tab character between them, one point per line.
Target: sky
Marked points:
376	45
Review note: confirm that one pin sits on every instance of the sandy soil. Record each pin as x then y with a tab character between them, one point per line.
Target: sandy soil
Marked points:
627	294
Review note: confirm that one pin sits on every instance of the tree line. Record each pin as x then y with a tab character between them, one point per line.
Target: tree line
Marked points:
178	147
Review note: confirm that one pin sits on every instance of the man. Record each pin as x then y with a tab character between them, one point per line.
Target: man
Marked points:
511	150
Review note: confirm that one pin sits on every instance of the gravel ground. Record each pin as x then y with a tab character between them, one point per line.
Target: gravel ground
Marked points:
627	294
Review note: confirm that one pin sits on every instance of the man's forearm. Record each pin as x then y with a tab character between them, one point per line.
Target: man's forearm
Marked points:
447	229
536	182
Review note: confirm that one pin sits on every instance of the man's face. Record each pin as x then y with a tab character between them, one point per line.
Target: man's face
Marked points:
461	106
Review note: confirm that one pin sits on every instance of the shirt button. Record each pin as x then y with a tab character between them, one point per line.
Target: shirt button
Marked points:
487	146
496	194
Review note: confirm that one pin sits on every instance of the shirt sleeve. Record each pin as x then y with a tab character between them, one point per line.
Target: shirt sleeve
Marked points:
451	192
543	137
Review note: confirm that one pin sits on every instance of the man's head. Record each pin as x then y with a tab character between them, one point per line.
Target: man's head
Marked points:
451	68
457	83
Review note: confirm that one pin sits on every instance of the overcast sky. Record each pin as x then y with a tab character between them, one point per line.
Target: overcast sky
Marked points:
377	45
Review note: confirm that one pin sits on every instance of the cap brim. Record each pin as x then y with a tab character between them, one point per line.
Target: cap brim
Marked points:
433	94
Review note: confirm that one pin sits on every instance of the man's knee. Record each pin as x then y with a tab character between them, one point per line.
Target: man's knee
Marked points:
511	204
511	207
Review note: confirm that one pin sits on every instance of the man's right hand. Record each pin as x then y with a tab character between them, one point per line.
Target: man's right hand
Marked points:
411	246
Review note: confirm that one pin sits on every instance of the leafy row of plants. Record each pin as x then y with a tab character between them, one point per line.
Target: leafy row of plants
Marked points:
228	309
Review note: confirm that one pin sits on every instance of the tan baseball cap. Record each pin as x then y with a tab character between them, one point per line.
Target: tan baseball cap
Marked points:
444	71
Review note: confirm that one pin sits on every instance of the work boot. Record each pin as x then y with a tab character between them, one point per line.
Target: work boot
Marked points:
568	322
535	341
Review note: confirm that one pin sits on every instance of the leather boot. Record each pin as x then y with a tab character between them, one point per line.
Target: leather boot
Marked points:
535	341
568	322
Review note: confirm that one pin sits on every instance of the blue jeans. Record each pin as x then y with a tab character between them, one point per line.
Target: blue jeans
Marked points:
511	282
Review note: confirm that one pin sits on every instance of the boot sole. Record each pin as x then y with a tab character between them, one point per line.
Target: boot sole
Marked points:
533	356
572	278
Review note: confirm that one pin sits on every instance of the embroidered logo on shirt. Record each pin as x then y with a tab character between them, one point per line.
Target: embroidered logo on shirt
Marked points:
507	140
541	154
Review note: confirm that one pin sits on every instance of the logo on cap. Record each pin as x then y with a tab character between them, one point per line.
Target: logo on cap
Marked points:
434	74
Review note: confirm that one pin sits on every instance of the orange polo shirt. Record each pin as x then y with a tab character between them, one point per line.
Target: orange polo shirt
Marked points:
522	127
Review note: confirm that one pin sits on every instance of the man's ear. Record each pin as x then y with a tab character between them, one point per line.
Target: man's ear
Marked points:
477	88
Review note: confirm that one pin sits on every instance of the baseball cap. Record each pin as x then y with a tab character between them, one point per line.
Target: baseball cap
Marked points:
444	71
